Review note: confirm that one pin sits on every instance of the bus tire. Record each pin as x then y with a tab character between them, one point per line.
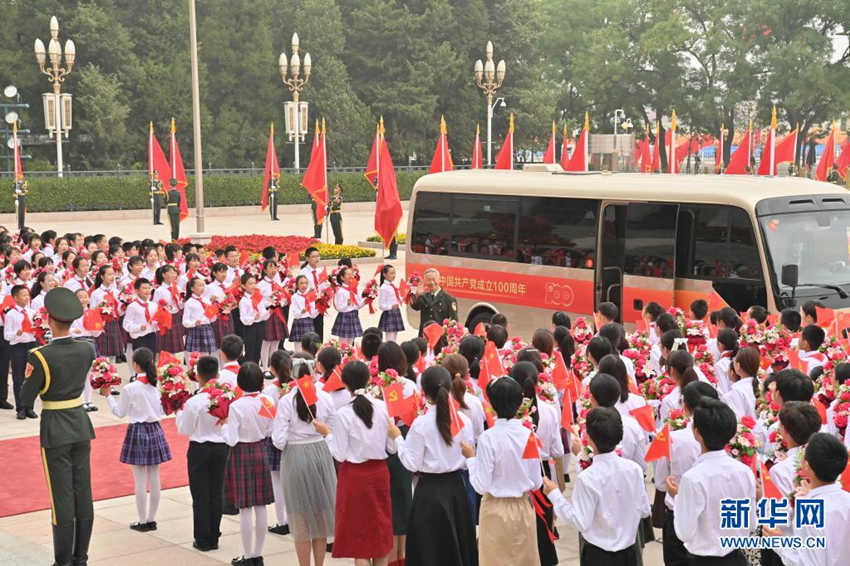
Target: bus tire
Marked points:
482	315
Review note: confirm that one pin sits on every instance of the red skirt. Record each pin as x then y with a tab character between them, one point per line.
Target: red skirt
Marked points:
363	524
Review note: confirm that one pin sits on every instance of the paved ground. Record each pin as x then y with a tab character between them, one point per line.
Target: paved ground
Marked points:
26	539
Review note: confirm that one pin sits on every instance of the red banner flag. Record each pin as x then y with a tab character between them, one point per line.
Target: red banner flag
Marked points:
442	160
476	148
827	158
645	416
388	204
315	178
334	382
567	411
549	154
267	408
308	389
409	408
739	161
565	154
560	375
767	164
844	158
177	172
505	157
580	159
457	423
480	330
158	167
272	169
660	446
92	320
432	333
163	320
768	488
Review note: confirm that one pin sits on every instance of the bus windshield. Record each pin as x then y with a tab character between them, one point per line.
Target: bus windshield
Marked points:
817	242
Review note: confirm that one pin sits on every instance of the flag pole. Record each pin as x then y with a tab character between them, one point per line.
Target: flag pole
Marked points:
196	127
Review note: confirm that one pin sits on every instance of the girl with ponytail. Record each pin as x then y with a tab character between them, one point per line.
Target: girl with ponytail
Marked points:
680	365
441	530
145	447
112	342
280	367
390	302
727	346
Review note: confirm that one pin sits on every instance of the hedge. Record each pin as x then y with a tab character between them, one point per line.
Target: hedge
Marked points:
401	239
50	194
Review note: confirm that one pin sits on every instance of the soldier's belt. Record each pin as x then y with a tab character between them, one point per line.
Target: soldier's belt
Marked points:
173	204
59	405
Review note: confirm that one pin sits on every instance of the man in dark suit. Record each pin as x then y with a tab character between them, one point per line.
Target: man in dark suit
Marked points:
432	302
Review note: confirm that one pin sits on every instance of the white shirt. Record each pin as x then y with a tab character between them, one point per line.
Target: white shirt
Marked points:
498	467
267	287
685	450
630	368
609	499
782	473
633	402
309	273
474	412
195	420
741	398
135	322
351	441
249	314
14	322
721	370
233	274
163	293
813	359
346	301
193	312
635	441
37	302
214	291
549	430
387	296
148	273
288	427
670	402
697	520
75	284
98	297
836	516
228	374
244	421
424	450
299	307
138	401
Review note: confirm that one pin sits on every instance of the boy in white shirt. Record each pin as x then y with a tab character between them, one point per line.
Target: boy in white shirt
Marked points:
811	339
230	352
18	331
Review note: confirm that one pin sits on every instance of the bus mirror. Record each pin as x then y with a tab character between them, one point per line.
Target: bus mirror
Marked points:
790	275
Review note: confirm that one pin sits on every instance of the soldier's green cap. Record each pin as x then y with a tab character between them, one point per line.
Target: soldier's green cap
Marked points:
63	304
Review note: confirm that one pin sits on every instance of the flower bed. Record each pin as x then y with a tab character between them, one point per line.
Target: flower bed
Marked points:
254	243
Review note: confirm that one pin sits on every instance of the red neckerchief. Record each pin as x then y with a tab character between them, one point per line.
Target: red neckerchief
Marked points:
307	303
145	308
26	320
397	295
143	379
726	354
352	294
231	366
200	300
315	279
175	294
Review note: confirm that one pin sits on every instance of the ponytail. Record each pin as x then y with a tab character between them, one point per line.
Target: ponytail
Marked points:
355	376
436	383
444	415
458	368
384	270
683	363
525	373
305	413
143	357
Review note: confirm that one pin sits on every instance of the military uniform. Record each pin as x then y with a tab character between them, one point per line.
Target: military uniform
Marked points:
317	226
336	218
157	194
434	307
174	212
21	203
57	372
273	199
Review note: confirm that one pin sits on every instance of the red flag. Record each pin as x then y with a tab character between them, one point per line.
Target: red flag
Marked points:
26	324
844	158
842	322
845	478
334	382
476	148
565	154
660	446
560	375
767	164
420	365
505	157
580	158
442	160
567	412
457	423
794	361
645	155
272	169
827	158
645	416
821	409
166	358
315	178
388	205
373	162
409	409
716	302
489	413
292	260
739	161
157	163
480	330
826	317
532	448
549	155
768	488
267	408
177	172
92	320
163	320
211	311
656	150
432	333
307	388
785	149
394	396
492	360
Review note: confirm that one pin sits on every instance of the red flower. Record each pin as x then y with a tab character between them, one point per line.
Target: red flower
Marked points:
748	421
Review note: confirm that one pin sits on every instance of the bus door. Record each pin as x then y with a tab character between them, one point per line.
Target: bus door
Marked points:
638	246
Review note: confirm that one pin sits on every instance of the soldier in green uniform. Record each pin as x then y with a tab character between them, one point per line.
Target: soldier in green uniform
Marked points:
21	188
273	196
174	209
336	214
317	226
157	194
57	372
432	302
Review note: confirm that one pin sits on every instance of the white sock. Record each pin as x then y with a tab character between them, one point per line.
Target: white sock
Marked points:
246	530
260	525
390	336
139	481
266	350
87	392
153	482
279	507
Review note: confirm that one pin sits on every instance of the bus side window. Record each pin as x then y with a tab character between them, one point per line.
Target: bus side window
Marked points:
484	226
431	224
558	231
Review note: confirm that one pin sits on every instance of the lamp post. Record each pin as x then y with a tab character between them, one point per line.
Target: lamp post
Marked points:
295	112
489	78
57	106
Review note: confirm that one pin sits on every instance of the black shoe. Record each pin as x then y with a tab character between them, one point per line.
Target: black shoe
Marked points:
30	414
89	408
120	359
140	527
20	416
329	547
279	529
6	405
391	257
258	561
150	526
204	547
566	478
241	561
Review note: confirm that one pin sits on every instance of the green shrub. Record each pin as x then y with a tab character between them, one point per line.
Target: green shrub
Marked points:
49	194
401	239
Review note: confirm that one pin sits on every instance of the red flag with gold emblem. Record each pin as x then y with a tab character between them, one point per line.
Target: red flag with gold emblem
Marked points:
308	389
660	446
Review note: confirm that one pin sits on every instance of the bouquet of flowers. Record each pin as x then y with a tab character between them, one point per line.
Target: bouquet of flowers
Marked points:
226	305
192	370
380	380
370	293
454	331
203	271
743	445
582	333
413	283
221	396
103	374
767	409
324	300
780	449
107	311
126	295
584	406
580	365
696	334
278	298
525	412
173	385
752	334
346	350
658	388
643	372
680	317
676	419
639	341
824	389
841	411
777	341
40	326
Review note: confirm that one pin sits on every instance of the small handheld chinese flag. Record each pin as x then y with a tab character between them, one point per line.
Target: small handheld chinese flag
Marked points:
308	389
483	377
480	330
393	396
166	358
794	361
163	320
323	275
560	375
267	408
409	408
334	382
645	416
768	488
492	360
489	413
211	311
660	446
92	320
292	260
457	423
826	318
432	333
532	448
567	411
26	325
845	478
821	410
310	296
256	298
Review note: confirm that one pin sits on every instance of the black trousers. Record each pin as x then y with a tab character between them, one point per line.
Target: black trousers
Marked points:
253	335
592	555
319	326
317	226
206	462
237	323
273	205
22	212
174	220
147	341
18	358
734	558
393	248
5	357
336	225
675	553
157	208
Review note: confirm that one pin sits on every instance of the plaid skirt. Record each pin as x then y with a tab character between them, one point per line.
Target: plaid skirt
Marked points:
300	327
172	340
275	327
201	339
347	325
111	342
391	321
221	328
247	479
272	455
145	445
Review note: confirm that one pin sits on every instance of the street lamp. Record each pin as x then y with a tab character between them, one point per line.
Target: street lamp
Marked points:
489	77
57	105
295	112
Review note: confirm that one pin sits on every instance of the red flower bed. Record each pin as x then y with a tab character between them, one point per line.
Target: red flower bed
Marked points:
256	242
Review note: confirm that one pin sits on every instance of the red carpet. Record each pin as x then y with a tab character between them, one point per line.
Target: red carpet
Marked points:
23	488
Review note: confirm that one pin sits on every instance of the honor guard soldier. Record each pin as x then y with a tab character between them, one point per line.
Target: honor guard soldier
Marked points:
336	214
434	304
21	188
273	196
57	372
317	226
157	197
174	203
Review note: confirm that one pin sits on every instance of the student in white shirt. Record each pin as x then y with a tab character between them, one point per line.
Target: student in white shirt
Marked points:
609	498
684	450
206	458
303	313
469	404
247	478
597	348
314	274
111	343
497	470
43	283
616	334
348	303
200	336
358	440
326	362
714	477
216	292
433	449
19	334
145	446
232	348
727	347
307	470
741	397
151	264
604	392
811	340
79	331
680	365
276	331
169	297
390	302
613	365
824	461
798	422
139	319
81	272
253	314
280	367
